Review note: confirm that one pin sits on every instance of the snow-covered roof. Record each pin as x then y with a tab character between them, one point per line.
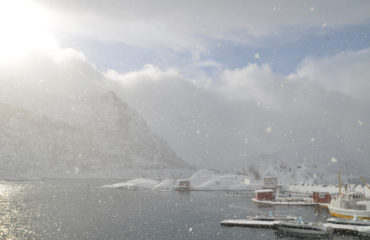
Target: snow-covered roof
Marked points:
264	190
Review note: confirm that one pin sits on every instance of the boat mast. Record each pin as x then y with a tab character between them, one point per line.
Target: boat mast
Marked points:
364	182
340	186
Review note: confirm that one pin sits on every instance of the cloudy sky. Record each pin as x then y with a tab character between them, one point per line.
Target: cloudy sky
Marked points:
224	82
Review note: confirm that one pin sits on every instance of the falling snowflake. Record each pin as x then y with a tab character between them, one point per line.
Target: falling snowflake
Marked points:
257	55
334	160
268	129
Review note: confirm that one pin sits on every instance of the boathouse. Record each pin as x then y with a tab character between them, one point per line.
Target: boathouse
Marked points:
265	194
183	185
321	197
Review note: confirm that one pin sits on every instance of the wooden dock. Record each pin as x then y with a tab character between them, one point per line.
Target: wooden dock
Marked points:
249	223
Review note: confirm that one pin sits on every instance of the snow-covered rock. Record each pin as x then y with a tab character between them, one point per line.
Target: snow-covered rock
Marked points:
167	184
201	176
204	179
138	183
227	182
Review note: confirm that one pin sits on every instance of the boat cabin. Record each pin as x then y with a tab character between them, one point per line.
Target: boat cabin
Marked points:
183	185
321	197
265	194
352	200
353	196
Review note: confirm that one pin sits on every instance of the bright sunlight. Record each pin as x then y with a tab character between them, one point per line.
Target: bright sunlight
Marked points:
24	28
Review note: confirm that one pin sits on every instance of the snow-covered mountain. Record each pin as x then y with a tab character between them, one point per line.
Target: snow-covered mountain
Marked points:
99	138
310	165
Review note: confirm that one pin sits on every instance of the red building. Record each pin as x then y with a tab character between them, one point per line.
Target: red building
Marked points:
321	197
183	185
265	194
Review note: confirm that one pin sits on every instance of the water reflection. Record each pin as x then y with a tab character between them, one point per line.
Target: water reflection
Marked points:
13	212
81	209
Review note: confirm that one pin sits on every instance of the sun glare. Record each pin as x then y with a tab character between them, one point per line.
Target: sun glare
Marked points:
24	28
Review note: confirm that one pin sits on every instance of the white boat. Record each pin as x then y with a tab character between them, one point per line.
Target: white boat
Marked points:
350	204
302	228
353	222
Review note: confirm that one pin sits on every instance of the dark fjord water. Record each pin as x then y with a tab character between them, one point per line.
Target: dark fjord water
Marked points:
80	209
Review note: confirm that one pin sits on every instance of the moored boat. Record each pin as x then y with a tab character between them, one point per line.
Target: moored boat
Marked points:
349	204
353	222
302	228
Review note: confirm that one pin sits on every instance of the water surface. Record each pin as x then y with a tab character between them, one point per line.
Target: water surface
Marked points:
80	209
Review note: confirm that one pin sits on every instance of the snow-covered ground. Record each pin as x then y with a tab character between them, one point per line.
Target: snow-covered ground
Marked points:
167	184
139	183
309	188
227	182
208	180
205	180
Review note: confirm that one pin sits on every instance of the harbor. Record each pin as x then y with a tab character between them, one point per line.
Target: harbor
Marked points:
350	211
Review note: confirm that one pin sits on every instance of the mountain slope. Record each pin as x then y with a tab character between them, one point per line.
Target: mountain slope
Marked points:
107	137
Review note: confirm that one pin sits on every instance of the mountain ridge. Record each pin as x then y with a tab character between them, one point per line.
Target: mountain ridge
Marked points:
110	138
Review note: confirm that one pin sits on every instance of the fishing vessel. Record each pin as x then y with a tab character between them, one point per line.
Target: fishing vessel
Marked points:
349	204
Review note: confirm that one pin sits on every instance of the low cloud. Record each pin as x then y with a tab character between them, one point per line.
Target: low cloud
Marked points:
278	114
207	123
347	72
52	83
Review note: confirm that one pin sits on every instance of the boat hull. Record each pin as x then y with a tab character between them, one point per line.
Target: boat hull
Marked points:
348	213
350	222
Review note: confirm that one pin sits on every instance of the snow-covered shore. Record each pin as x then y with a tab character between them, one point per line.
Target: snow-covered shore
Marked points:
207	180
202	180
